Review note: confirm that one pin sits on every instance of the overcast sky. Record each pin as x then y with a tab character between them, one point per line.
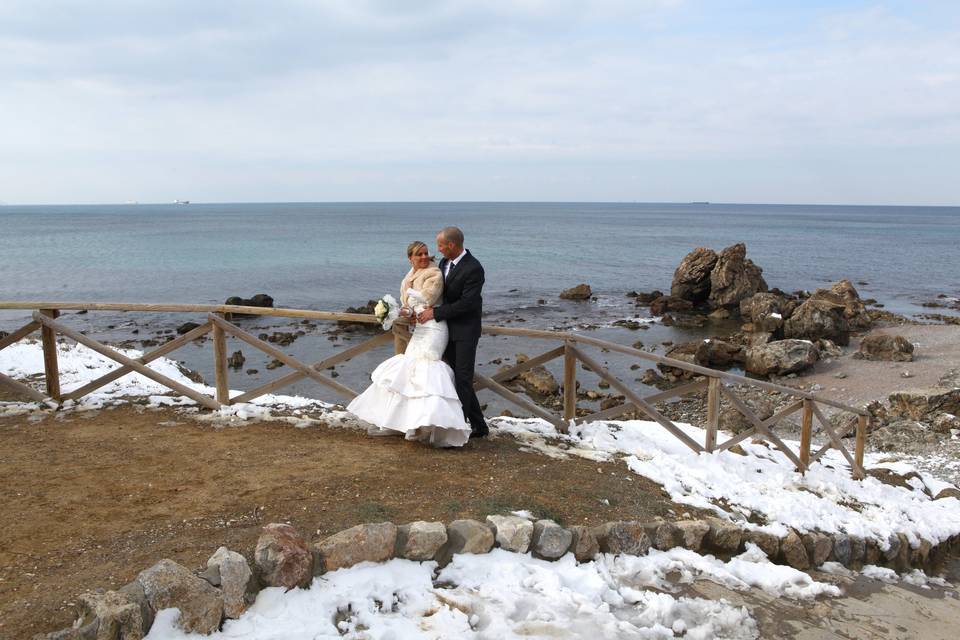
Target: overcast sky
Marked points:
594	100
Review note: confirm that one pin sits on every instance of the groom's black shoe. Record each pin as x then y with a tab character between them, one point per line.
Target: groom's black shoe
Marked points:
479	434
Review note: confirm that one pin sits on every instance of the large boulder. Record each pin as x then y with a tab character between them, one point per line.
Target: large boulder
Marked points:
764	311
691	280
623	537
584	544
538	382
781	357
465	536
854	310
718	353
168	585
579	292
282	557
734	277
259	300
362	543
665	304
686	352
818	318
885	347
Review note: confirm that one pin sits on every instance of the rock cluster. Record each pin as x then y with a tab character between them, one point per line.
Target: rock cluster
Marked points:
283	558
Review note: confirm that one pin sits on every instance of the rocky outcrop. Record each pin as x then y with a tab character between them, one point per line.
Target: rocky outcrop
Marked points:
282	558
781	357
818	318
844	294
924	404
168	585
666	304
362	543
885	347
579	292
686	352
764	311
734	278
691	280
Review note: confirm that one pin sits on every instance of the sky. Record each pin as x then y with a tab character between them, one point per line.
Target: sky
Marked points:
440	100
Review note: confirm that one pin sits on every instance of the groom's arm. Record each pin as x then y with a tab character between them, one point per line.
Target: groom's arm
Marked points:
470	300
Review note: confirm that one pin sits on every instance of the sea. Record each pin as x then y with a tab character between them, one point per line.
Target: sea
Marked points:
329	256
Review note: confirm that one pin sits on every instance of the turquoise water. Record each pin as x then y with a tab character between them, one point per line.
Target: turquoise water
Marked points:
328	256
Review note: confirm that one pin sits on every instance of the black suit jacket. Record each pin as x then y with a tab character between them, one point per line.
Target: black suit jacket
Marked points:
462	303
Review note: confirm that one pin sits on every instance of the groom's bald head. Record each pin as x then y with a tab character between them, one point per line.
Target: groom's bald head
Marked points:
450	242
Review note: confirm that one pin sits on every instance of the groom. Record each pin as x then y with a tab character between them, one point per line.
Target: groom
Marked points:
461	308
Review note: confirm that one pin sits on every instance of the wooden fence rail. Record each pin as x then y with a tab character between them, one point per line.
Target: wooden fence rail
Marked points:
572	349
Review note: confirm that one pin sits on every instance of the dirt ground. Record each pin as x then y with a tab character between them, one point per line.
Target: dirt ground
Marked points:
90	499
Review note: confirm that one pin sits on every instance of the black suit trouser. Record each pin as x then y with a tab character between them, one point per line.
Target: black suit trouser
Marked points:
461	355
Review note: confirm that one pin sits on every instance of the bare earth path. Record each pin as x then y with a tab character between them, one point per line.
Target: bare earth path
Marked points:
90	499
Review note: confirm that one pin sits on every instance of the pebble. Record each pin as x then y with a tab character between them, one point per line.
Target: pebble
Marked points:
840	375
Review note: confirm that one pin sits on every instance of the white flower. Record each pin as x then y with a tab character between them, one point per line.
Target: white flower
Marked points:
380	310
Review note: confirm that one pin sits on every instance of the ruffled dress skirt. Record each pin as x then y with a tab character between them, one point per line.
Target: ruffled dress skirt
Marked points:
413	394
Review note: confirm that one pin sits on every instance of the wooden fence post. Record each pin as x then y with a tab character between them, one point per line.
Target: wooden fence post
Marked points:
806	429
713	413
51	368
220	364
569	383
863	423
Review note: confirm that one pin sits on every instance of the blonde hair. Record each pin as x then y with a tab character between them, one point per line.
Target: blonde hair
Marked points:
413	246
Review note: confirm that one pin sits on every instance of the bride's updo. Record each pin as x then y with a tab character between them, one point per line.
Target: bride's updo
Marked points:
414	246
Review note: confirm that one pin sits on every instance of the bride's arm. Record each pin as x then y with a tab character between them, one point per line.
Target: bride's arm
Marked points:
431	288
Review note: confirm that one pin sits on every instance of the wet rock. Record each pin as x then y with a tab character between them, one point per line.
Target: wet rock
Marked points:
723	536
692	533
717	353
282	557
362	543
668	304
187	327
781	357
583	544
818	318
579	292
885	347
236	360
235	578
259	300
169	585
646	298
622	537
691	280
550	540
734	277
794	552
818	546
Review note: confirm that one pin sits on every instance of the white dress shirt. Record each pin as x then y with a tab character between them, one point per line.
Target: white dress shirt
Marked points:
452	263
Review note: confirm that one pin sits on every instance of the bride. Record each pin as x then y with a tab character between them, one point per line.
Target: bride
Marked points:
412	393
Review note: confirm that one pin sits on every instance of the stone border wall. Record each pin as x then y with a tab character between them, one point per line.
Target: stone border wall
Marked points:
283	558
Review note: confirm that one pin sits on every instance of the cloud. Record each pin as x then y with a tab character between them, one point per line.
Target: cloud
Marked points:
455	99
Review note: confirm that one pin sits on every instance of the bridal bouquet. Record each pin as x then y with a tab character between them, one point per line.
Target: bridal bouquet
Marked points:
387	310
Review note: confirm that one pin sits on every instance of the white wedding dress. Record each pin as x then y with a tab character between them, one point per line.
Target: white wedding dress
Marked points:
413	392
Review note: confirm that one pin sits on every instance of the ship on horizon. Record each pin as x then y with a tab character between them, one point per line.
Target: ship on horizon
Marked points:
181	202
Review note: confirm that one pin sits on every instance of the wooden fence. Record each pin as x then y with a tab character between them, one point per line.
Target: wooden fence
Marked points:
572	348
